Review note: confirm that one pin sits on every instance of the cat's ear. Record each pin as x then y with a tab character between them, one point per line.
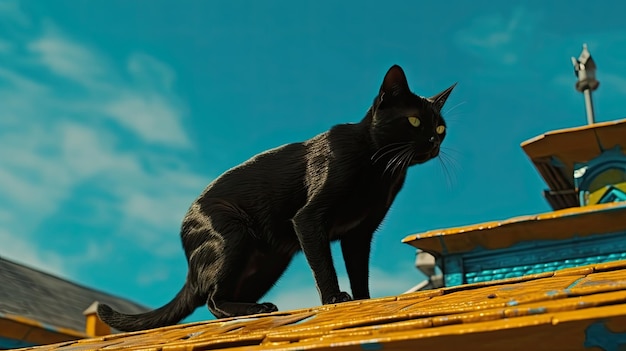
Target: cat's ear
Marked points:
394	83
440	99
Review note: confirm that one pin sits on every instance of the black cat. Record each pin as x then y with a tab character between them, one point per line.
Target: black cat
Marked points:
241	233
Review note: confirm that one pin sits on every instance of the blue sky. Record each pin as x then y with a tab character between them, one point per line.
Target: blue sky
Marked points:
115	114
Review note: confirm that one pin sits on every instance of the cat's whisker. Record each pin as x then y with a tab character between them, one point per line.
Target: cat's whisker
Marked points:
449	149
446	172
449	172
390	152
386	153
407	159
455	118
387	147
450	159
391	163
386	150
453	107
400	160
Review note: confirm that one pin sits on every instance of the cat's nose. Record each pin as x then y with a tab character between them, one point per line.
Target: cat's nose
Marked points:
434	142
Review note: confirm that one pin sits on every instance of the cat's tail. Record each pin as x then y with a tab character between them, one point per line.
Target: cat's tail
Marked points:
181	306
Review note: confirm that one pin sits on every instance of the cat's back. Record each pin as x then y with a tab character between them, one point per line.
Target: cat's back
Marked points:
272	177
279	181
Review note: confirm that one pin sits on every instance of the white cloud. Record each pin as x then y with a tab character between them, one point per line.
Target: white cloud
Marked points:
144	105
19	249
53	140
153	213
292	293
69	60
21	83
385	283
150	72
155	273
151	116
42	167
295	298
86	153
156	208
499	39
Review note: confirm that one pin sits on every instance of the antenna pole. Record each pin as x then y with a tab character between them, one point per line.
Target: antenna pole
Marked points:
585	70
589	106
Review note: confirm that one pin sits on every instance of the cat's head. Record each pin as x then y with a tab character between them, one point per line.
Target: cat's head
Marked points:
407	129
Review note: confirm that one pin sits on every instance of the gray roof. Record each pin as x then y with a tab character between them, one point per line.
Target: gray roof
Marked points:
48	299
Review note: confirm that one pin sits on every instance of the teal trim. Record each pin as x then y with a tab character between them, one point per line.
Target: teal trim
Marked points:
613	194
586	172
532	257
598	335
573	285
453	270
7	343
371	346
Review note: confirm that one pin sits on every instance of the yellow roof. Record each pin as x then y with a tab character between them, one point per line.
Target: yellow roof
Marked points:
568	309
568	146
579	144
588	220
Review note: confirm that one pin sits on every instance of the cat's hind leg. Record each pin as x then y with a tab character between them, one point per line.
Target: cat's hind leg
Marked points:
263	270
220	262
237	294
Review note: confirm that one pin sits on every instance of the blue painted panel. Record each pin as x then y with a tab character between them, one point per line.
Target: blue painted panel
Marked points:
532	257
513	272
6	343
586	172
598	335
453	266
371	346
612	195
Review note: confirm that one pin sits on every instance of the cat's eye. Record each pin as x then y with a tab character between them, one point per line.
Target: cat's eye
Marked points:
415	122
440	129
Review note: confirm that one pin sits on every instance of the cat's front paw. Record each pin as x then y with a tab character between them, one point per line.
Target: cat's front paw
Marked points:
265	307
337	298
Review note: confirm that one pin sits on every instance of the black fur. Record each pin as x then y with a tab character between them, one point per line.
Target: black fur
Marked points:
241	233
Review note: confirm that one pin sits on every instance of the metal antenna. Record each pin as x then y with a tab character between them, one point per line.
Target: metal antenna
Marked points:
585	70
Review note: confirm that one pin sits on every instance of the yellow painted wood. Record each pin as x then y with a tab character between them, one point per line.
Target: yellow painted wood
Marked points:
551	311
31	331
556	225
12	329
568	147
596	196
579	144
93	325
